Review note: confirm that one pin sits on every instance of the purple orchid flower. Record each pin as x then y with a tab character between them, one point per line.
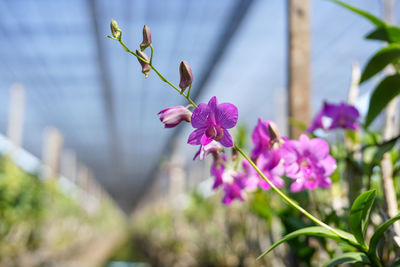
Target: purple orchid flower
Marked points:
212	148
212	121
233	186
261	137
342	116
308	162
217	170
171	117
271	165
233	189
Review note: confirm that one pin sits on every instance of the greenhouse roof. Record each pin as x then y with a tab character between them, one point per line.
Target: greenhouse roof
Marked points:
88	87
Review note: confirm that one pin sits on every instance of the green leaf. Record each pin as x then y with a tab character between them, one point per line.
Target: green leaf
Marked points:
383	148
396	264
299	124
376	21
388	33
349	257
380	60
379	232
359	215
388	89
311	231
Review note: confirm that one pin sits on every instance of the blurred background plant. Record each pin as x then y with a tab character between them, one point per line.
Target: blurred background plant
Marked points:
41	225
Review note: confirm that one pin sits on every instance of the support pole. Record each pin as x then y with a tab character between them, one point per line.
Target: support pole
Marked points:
16	114
299	64
69	166
389	131
53	142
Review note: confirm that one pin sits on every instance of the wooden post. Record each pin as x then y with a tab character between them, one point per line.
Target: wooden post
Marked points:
53	142
83	173
16	114
351	173
299	64
389	131
68	166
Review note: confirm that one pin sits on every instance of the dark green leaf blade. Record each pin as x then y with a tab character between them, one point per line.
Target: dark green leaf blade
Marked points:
379	232
359	215
349	257
376	21
388	33
380	60
311	231
388	89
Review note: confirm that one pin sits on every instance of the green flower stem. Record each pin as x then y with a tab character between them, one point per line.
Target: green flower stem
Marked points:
279	192
190	88
287	199
151	55
155	70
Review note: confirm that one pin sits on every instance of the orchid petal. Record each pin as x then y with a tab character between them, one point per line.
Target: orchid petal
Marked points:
205	140
226	115
200	116
195	136
226	139
319	148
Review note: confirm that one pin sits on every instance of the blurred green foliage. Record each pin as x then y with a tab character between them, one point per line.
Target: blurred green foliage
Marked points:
39	224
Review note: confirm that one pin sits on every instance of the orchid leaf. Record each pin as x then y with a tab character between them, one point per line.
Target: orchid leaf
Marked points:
311	231
349	257
376	21
379	233
359	215
387	33
380	60
388	89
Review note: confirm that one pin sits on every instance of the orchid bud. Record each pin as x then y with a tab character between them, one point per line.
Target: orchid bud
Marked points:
171	117
145	66
146	38
115	30
186	75
273	133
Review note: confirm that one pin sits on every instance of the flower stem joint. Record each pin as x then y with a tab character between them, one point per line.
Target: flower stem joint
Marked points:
186	75
146	38
145	66
115	30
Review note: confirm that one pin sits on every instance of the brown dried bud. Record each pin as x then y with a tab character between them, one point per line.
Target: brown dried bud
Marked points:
273	133
186	75
146	38
145	66
115	30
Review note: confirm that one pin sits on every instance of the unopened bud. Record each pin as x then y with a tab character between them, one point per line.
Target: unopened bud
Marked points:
186	75
145	66
171	117
146	38
115	30
273	133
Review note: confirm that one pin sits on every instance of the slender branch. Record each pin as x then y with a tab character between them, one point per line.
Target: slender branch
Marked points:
287	199
156	71
279	192
190	88
151	55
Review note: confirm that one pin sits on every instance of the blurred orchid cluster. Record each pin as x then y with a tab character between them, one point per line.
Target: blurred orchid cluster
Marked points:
306	161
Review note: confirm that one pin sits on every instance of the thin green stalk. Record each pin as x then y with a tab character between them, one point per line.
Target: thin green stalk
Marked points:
156	71
286	198
151	55
190	88
279	192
